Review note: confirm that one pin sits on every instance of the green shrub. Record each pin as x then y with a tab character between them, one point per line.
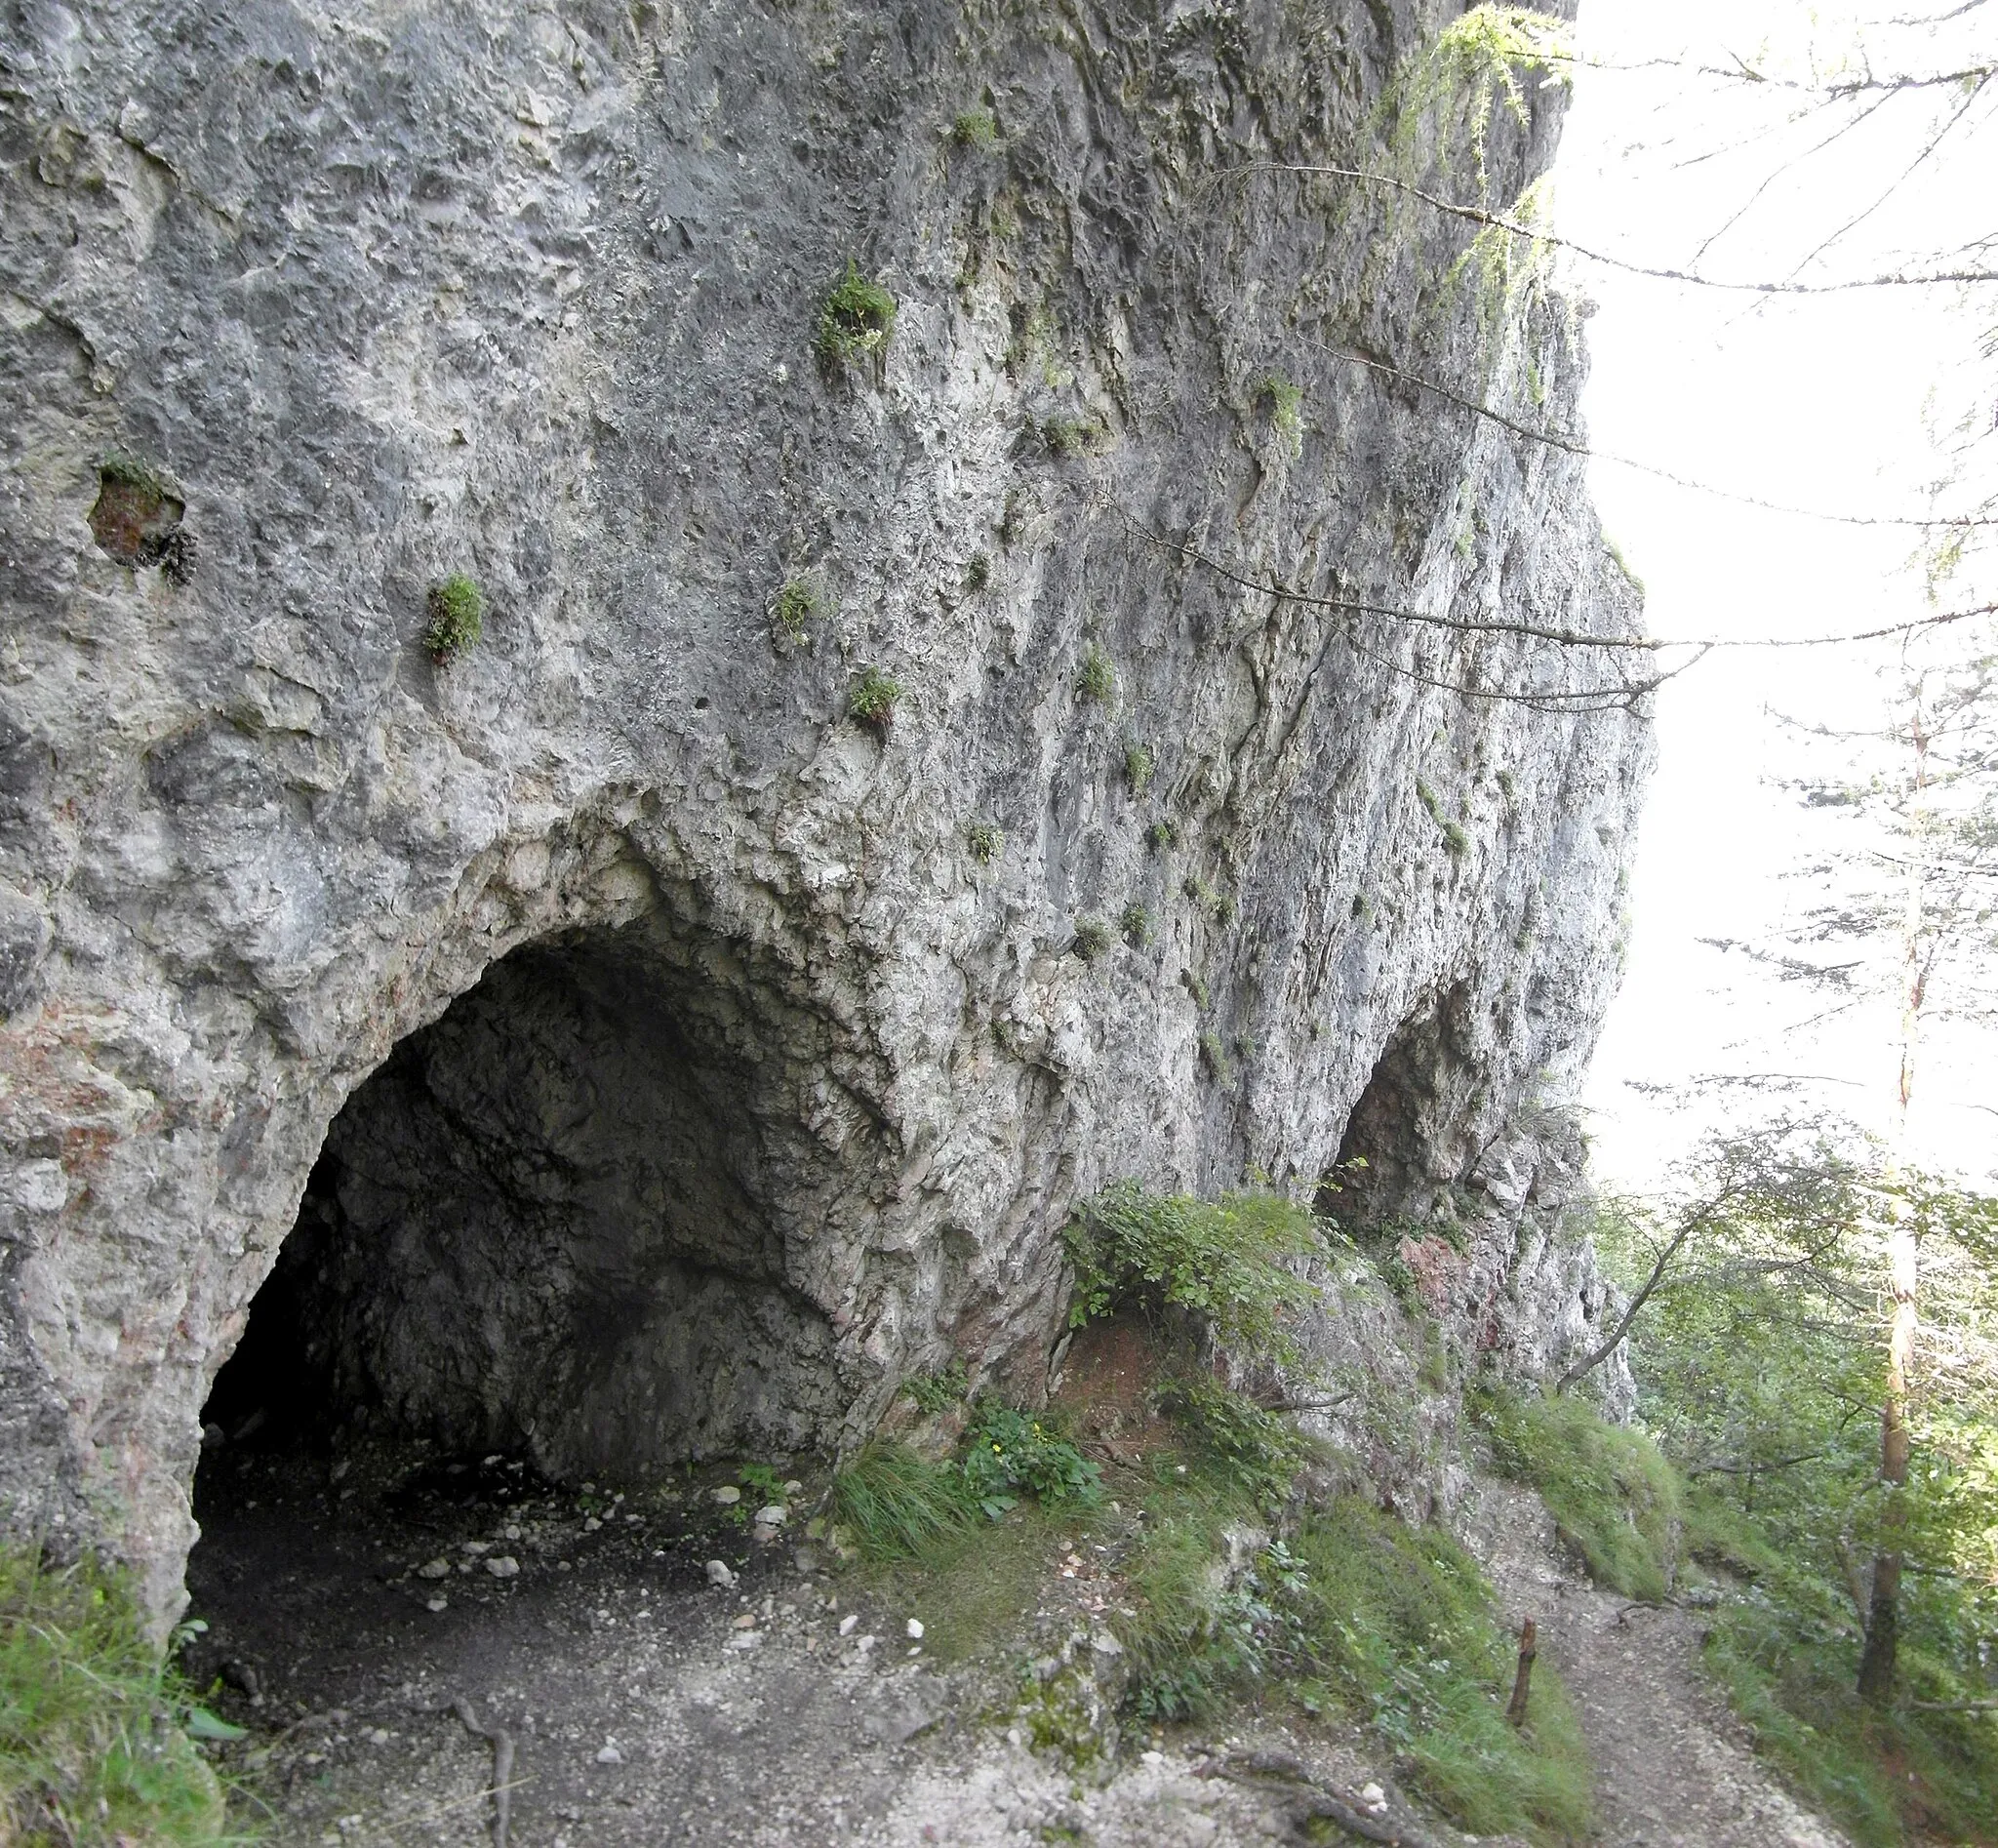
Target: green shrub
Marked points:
976	127
856	318
1261	1451
1138	766
1214	1055
94	1745
1008	1453
873	698
978	574
797	604
1137	925
1097	678
939	1391
1163	835
1091	938
1396	1626
1222	1260
1613	1497
1072	435
457	617
985	840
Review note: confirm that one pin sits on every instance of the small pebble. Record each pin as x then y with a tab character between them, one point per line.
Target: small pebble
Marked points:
436	1603
476	1546
916	1628
727	1494
591	1524
747	1621
435	1569
849	1623
719	1574
1151	1757
609	1754
503	1566
1372	1796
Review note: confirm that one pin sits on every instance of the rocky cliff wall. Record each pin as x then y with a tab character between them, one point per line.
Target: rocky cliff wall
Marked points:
306	310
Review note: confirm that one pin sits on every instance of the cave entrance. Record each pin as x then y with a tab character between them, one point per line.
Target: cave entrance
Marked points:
539	1227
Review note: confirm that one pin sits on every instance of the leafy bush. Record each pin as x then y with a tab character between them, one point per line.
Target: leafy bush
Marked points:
874	698
1261	1451
1008	1454
1222	1260
986	840
856	318
1286	409
796	605
94	1745
1613	1495
1163	835
1136	924
457	617
939	1391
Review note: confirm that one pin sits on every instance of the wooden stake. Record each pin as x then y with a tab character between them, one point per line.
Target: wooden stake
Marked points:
1523	1680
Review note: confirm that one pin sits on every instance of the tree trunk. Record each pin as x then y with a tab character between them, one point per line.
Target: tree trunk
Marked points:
1882	1608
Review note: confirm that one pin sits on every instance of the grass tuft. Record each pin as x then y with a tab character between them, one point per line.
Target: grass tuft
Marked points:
94	1750
976	129
1096	680
985	840
1091	938
874	698
895	1505
855	319
1613	1495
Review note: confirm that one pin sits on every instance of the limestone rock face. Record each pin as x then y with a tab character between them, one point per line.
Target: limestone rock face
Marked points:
673	1058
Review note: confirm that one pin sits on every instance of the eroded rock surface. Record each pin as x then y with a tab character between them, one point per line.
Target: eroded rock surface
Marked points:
783	1008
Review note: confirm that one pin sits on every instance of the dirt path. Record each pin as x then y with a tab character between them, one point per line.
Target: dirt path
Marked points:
1673	1768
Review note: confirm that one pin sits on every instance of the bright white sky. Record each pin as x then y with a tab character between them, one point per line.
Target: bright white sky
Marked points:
1812	401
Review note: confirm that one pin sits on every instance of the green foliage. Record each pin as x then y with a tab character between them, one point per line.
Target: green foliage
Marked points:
1197	989
873	698
796	607
978	574
976	129
1613	1497
1226	1260
939	1391
895	1505
1163	835
1138	766
1137	925
1097	678
1286	403
94	1731
128	472
1214	1055
457	617
1760	1366
1457	843
1260	1451
1395	1625
1091	938
985	840
1008	1453
856	318
1443	98
1072	435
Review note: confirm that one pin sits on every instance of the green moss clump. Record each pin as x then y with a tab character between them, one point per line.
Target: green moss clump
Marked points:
1096	680
1163	835
986	841
874	698
94	1745
976	129
1138	767
856	318
1137	925
1067	437
457	617
1091	938
978	574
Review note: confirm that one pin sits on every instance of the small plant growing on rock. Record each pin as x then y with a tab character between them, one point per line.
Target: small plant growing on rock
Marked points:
457	617
1214	1055
1008	1453
796	607
1163	835
978	574
1096	680
1197	989
986	841
1067	437
856	318
1286	403
1136	924
874	698
976	129
1091	938
1138	766
939	1391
